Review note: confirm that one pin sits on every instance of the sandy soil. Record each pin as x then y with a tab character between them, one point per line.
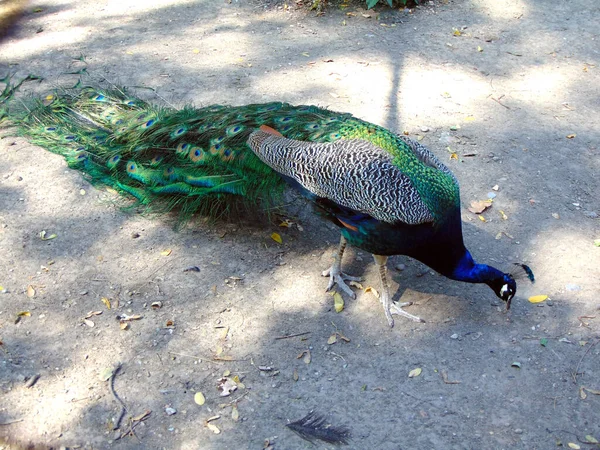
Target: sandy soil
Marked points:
518	90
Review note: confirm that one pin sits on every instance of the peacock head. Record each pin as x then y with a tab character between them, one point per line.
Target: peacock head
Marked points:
505	286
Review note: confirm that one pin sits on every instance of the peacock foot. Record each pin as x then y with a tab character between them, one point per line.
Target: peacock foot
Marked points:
396	309
391	308
336	276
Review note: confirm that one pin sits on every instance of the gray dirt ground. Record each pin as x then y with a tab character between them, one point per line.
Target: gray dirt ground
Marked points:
535	81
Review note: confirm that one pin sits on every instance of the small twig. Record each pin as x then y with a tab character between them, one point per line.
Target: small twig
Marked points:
188	356
215	359
500	103
233	402
75	400
11	422
292	335
444	375
579	363
134	422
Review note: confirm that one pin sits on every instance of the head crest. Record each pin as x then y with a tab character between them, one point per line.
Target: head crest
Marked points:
521	271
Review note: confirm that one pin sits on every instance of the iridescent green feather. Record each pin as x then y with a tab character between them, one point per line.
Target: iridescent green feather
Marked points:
197	159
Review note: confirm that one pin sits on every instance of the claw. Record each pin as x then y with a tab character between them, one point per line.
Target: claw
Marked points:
391	308
396	309
336	276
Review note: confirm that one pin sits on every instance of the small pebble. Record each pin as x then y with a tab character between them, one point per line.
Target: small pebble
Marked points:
400	267
454	336
518	431
170	411
491	195
424	129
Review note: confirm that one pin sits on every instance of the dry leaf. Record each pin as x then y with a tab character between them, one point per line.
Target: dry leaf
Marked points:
372	290
295	375
338	302
415	372
141	416
227	386
305	355
199	398
332	339
43	236
538	298
124	325
571	136
582	393
89	323
92	314
504	216
166	252
356	284
482	218
479	206
106	374
591	439
573	446
30	291
342	337
235	414
24	314
106	302
213	428
276	238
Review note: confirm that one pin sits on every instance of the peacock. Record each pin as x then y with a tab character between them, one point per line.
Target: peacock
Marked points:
388	194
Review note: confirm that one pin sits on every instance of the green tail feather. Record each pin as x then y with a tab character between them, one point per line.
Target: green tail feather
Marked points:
195	159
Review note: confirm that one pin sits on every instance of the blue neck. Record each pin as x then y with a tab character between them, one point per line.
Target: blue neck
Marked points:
469	271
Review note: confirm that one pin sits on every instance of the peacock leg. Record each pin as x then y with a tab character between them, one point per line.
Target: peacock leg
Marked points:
389	307
335	274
